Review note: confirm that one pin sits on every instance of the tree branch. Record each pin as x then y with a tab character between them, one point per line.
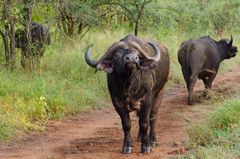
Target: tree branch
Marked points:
120	5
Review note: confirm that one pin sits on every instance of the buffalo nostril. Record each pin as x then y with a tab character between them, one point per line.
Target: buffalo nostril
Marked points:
127	58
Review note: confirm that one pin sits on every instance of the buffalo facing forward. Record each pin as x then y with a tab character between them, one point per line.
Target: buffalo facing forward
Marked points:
137	71
201	58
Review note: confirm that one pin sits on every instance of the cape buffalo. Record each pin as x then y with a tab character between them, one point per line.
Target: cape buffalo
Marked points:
34	45
137	71
200	58
40	37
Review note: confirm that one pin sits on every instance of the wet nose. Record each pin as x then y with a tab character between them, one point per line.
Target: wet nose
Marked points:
132	58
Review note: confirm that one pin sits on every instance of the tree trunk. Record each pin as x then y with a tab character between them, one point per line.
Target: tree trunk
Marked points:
8	35
136	28
140	12
80	26
12	44
28	52
6	48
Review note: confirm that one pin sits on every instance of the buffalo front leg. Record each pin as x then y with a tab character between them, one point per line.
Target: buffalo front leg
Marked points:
144	124
153	118
126	125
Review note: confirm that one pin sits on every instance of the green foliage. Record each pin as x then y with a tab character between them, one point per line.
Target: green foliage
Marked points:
195	16
44	12
226	118
218	136
201	134
74	16
223	15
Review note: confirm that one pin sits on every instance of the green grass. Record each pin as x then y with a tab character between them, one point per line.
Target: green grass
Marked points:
28	101
218	136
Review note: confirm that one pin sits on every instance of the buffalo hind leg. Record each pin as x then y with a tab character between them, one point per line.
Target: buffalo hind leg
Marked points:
208	83
144	124
186	76
192	82
153	118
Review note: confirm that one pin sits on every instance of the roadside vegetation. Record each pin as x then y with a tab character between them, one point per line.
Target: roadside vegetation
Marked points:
63	84
218	135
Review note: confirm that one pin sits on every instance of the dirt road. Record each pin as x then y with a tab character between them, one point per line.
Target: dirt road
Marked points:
98	134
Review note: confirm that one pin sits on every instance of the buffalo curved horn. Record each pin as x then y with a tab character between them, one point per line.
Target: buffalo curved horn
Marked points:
90	62
108	54
230	42
157	55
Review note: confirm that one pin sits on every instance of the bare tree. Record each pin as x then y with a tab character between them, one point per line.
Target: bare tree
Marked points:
140	11
134	10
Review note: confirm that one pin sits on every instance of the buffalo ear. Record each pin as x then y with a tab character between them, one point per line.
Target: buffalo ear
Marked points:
147	64
105	66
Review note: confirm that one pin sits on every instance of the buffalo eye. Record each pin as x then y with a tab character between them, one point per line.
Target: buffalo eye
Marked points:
117	55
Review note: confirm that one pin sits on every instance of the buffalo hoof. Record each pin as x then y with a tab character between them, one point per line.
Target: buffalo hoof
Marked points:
127	150
146	149
190	103
204	94
153	143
